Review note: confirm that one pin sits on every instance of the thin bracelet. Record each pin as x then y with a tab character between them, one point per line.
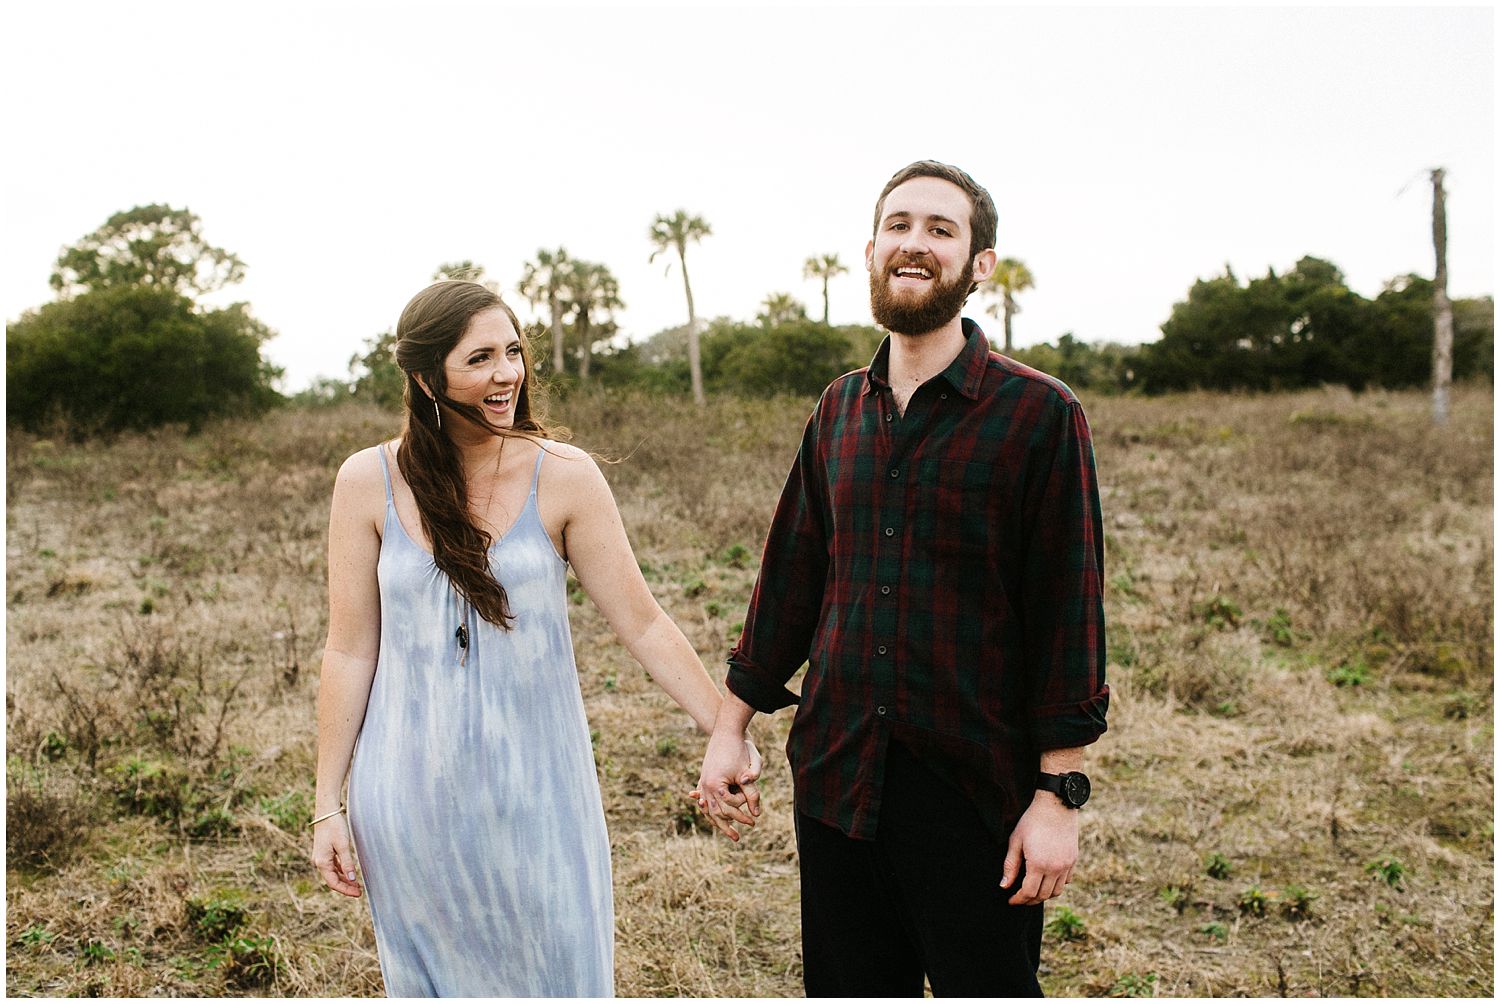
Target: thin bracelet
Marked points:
326	815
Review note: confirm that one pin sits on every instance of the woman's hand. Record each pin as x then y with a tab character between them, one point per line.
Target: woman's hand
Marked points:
333	855
727	789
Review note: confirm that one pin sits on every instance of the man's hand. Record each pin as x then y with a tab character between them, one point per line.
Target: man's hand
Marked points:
1046	838
726	786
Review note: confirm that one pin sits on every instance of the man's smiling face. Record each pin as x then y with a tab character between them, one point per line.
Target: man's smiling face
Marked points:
919	262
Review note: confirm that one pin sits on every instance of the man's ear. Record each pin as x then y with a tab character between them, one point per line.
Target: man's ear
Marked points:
984	264
870	256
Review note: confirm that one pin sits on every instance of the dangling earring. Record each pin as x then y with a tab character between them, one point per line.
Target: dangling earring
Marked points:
438	412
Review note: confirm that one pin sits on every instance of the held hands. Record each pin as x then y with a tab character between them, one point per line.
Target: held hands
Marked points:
333	855
726	789
1046	838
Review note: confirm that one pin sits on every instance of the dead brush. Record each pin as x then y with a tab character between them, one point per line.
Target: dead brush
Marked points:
1251	554
48	815
152	689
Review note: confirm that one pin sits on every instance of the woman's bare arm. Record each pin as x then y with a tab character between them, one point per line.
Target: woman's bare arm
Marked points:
600	553
349	655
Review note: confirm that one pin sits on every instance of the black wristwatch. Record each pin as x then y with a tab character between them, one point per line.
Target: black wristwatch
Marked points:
1072	787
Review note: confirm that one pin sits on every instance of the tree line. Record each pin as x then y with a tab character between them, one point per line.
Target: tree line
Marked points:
1304	328
126	345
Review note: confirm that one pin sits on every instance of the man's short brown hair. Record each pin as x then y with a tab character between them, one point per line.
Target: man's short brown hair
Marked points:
982	219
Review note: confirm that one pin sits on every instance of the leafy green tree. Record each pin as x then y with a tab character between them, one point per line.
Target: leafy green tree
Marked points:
795	357
1010	277
675	233
1474	338
541	282
377	378
588	291
823	267
1397	346
1082	365
323	392
780	308
134	357
1305	328
153	245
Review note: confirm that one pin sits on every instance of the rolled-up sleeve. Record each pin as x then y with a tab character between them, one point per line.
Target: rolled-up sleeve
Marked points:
1063	597
787	601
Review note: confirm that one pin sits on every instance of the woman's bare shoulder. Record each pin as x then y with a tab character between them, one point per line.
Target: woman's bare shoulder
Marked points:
566	465
360	477
561	450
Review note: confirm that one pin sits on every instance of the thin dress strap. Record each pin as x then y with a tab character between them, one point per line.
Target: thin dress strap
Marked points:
385	468
536	475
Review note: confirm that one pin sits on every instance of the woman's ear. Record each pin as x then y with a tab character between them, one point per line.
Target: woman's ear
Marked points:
423	384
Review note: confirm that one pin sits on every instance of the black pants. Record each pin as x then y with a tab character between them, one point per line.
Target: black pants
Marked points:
923	897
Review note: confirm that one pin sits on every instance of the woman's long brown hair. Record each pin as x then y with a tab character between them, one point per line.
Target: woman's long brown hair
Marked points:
429	328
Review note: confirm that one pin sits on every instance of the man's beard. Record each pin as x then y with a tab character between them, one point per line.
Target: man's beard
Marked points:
904	315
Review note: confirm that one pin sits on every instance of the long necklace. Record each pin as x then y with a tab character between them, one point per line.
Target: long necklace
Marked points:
462	634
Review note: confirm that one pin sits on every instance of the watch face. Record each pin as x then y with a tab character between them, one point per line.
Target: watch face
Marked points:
1075	788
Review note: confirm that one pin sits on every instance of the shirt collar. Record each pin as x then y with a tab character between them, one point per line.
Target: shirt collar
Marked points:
964	374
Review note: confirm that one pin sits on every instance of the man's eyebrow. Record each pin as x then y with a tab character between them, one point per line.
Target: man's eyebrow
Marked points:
931	217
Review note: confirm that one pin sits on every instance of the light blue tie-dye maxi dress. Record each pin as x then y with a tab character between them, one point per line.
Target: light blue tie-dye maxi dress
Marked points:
473	801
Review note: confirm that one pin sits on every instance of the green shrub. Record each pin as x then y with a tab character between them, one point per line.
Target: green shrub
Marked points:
1388	869
1278	628
1253	901
251	962
290	811
1218	612
1296	901
216	916
149	787
1349	674
736	556
211	824
1174	896
134	357
1134	985
1067	925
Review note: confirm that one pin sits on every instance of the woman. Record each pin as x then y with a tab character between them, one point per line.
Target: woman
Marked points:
472	795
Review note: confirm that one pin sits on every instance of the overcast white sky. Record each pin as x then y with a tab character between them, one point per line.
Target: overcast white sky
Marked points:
344	150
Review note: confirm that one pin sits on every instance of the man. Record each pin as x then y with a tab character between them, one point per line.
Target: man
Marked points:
936	560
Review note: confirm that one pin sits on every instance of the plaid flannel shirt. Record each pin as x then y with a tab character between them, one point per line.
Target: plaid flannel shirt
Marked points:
940	573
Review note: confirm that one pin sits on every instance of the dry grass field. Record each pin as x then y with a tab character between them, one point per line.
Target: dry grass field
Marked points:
1295	794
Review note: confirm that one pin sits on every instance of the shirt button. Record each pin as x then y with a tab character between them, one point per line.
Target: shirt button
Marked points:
885	590
880	710
895	472
943	396
881	650
890	531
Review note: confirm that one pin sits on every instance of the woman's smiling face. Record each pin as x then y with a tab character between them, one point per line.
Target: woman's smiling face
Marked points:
486	367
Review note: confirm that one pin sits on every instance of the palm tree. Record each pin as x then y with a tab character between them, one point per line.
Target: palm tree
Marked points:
823	267
672	233
1010	277
781	308
587	289
542	281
